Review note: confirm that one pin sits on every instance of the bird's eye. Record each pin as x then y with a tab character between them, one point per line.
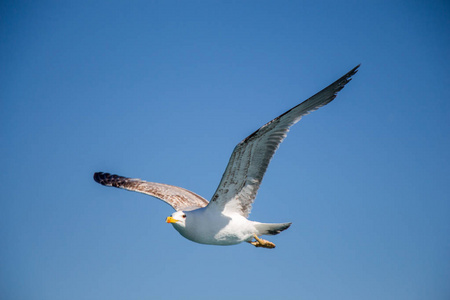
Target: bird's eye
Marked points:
184	216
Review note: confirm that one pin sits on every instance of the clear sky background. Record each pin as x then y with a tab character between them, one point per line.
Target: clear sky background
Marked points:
164	90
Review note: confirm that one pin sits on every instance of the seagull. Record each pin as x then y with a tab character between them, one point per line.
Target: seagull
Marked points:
224	220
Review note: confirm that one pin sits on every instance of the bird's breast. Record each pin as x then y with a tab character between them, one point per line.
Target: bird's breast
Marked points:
216	229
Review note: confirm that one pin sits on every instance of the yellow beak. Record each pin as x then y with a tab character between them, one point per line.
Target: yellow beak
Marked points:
171	220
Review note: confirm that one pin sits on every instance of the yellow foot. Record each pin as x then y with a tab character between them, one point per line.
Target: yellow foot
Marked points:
262	243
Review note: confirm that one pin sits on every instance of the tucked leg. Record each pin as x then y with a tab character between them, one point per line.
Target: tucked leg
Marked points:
262	243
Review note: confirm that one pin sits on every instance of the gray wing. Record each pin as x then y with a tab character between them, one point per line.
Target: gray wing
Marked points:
178	198
248	163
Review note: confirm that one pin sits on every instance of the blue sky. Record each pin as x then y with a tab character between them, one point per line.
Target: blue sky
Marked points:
164	90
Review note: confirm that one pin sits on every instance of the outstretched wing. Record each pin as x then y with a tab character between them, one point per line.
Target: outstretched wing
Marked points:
248	163
178	198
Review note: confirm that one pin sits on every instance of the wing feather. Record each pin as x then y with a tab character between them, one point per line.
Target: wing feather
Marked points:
250	158
177	197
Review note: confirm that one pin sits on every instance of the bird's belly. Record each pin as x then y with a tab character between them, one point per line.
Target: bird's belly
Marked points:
222	232
215	239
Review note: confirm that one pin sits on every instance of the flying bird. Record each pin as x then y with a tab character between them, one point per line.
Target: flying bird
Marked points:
224	220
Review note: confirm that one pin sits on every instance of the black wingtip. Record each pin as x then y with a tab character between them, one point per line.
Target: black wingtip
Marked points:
100	177
347	77
108	179
352	72
355	69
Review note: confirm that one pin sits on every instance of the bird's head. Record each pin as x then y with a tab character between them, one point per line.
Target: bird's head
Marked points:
177	218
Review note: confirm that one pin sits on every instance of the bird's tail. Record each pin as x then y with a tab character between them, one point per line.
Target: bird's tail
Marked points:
271	228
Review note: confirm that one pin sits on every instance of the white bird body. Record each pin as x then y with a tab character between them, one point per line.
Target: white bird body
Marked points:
208	227
223	220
